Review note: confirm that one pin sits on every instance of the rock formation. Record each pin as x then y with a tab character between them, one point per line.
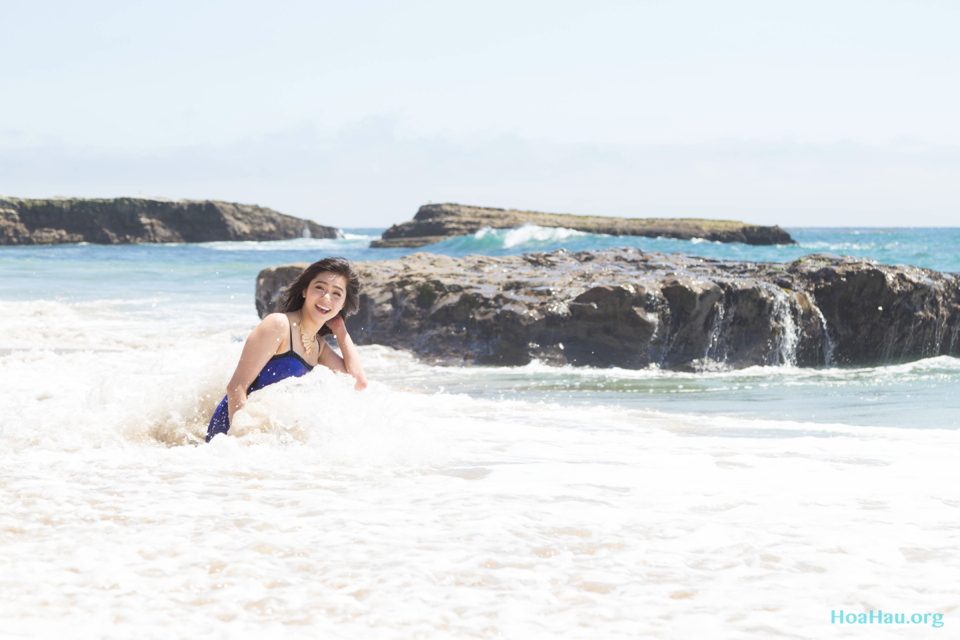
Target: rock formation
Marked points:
435	222
631	309
132	220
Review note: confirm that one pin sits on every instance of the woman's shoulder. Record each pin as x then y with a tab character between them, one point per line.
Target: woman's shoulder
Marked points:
279	318
275	322
273	331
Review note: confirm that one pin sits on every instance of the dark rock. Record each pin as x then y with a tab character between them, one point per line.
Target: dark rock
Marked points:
269	283
436	222
134	220
627	308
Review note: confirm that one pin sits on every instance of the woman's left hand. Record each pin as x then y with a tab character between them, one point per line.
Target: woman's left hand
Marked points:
350	362
337	325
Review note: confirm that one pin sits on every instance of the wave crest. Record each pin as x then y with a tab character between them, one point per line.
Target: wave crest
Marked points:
529	237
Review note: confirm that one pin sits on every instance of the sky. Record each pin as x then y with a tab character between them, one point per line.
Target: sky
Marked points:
353	114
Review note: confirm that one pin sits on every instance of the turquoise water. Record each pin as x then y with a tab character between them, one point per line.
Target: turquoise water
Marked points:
209	283
221	269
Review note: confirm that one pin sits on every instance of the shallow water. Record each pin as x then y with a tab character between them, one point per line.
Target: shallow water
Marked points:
482	502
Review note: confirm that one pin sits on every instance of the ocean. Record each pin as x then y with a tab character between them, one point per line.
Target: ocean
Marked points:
477	502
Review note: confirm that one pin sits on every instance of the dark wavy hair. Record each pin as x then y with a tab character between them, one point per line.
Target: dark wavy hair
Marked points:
291	298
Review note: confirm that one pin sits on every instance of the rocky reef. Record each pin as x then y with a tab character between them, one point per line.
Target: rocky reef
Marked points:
133	220
633	309
435	222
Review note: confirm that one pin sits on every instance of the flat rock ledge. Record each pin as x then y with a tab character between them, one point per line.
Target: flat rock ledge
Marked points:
436	222
633	309
135	220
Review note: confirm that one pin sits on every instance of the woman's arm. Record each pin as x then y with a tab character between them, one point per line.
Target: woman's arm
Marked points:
350	362
263	343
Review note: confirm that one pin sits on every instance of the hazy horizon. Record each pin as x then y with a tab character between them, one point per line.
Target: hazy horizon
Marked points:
818	115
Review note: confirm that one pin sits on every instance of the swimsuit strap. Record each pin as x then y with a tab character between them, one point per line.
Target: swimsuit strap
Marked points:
291	336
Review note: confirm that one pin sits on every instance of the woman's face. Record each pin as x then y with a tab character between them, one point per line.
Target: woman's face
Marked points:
325	296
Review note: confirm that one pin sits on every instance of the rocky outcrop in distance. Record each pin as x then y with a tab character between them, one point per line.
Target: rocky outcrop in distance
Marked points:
633	309
436	222
135	220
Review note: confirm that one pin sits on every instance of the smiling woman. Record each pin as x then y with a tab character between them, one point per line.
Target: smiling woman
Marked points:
315	304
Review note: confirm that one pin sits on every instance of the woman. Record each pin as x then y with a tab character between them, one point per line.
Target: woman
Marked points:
289	343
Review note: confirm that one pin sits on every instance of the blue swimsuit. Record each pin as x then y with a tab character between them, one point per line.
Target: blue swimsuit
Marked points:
281	366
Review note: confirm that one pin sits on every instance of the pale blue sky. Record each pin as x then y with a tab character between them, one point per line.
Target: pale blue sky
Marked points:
794	113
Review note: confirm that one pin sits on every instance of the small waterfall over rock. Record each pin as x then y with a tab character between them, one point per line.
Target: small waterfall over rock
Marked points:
714	352
828	344
787	335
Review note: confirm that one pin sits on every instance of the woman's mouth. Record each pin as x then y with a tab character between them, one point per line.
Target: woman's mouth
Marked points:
322	310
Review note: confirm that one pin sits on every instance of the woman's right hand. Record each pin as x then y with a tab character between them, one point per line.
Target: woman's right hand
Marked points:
236	398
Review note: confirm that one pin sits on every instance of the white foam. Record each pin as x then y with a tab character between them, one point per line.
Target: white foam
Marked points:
403	511
528	234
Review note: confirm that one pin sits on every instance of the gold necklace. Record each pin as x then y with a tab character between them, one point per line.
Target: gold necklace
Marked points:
309	342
